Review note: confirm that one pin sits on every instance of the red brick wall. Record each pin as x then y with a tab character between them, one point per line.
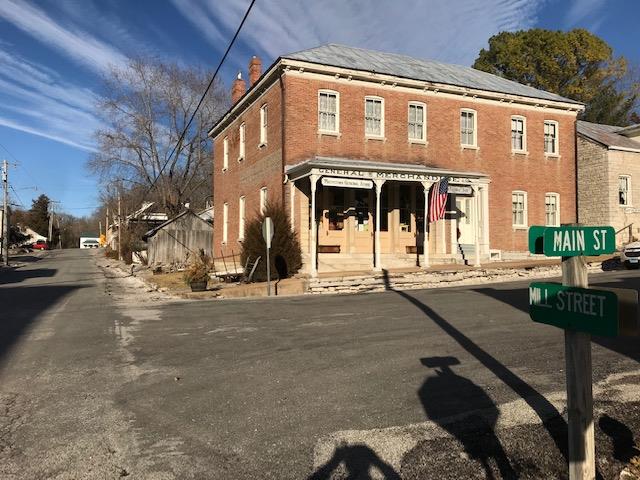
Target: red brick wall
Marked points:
532	173
261	167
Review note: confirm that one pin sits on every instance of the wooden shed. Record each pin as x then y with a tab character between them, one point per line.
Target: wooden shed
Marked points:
179	239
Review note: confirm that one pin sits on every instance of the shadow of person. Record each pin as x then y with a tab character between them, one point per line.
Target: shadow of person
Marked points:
358	461
445	395
624	448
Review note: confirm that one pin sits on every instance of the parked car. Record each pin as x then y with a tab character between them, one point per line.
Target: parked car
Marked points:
40	245
630	255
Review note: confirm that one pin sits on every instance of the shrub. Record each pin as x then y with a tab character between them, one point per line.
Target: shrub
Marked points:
285	254
199	269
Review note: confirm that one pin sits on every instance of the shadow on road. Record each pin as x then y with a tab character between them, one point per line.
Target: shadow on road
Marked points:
624	448
19	275
20	306
550	417
519	298
446	395
358	460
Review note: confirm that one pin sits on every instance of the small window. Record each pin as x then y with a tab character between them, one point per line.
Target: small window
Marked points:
374	117
468	134
328	112
518	134
519	209
405	208
417	122
225	153
337	208
624	190
225	223
263	125
550	137
242	143
552	209
241	218
263	199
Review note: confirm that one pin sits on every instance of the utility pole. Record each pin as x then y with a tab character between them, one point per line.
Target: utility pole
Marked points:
119	225
50	222
59	235
5	212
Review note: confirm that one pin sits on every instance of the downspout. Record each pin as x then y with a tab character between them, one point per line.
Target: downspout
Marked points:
282	133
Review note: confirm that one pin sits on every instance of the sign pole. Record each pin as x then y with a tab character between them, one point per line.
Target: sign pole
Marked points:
579	383
267	234
268	273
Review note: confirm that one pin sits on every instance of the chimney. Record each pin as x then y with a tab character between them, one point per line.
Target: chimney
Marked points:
238	89
255	70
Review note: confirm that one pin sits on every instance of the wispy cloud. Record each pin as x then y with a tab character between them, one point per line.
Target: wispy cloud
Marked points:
582	10
435	30
36	100
72	42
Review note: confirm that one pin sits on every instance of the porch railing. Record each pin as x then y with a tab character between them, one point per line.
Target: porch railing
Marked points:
629	230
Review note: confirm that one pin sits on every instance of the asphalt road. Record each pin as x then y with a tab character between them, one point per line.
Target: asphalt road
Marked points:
101	379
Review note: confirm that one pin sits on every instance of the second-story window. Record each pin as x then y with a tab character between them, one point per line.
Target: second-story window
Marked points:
328	112
263	125
468	134
518	134
263	199
550	137
225	153
417	121
624	190
242	142
374	117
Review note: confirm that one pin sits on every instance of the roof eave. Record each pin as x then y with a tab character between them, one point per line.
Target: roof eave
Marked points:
368	75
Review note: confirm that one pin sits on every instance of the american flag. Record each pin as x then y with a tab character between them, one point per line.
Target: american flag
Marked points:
438	201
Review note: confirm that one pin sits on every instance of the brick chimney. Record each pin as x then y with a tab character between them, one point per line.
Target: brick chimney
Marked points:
255	70
238	88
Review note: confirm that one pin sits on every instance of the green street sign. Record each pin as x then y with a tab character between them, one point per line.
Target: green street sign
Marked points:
571	241
603	312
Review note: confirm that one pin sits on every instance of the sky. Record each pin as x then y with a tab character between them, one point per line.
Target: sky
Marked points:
54	55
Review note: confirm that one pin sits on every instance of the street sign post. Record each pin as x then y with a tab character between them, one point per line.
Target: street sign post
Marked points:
581	312
267	234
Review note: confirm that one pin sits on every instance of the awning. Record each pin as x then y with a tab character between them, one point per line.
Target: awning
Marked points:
365	169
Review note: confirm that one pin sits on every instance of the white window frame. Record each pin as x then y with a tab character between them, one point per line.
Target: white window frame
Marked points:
225	154
242	132
241	217
264	118
225	223
524	211
556	142
557	197
337	112
424	122
629	198
374	98
264	192
475	128
523	119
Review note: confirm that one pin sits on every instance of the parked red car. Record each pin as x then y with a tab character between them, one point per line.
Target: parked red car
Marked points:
40	245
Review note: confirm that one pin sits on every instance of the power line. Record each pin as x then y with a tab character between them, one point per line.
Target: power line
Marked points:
17	196
184	132
19	164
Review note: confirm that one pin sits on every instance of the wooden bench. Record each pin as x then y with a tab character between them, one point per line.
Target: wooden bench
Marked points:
413	249
328	248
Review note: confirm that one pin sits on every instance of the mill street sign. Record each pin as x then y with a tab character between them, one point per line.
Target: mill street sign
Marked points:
604	312
572	241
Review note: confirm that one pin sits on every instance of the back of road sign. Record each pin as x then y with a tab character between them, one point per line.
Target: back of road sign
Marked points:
267	231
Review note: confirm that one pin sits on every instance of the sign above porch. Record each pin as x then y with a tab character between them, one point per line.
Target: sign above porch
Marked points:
347	182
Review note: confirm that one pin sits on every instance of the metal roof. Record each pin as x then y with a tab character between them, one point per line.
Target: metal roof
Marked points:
607	135
418	69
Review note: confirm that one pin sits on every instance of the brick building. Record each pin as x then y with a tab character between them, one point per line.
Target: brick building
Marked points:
351	141
609	178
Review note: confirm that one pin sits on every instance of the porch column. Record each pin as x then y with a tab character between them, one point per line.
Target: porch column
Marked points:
313	244
425	241
454	226
377	266
292	207
476	228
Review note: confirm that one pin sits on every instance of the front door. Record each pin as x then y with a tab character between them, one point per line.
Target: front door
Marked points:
466	225
362	221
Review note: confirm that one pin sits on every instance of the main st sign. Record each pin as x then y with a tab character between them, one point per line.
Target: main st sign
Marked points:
572	241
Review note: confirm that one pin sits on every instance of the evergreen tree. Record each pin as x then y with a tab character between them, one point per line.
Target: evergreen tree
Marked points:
39	215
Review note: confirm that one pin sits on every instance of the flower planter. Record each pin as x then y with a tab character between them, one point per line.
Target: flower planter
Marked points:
200	286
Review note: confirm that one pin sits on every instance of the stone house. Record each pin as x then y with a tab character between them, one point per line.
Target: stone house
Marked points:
609	178
352	141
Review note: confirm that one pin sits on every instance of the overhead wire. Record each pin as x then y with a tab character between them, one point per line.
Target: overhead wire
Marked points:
204	95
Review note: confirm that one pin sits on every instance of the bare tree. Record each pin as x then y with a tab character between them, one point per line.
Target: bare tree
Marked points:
145	108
